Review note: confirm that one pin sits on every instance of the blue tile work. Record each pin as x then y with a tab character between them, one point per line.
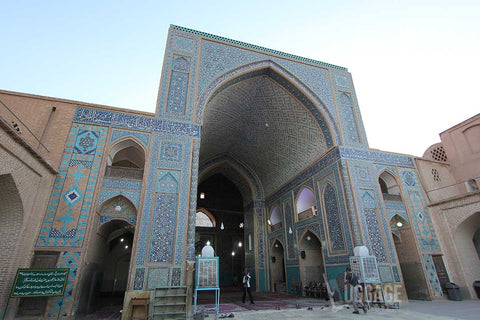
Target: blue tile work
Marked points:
432	275
123	184
139	279
218	59
386	274
177	94
190	254
171	151
70	260
176	277
348	120
375	236
71	200
326	174
130	121
288	214
174	100
133	196
377	156
166	193
324	116
396	274
254	47
423	226
158	277
334	223
127	211
162	239
143	138
259	209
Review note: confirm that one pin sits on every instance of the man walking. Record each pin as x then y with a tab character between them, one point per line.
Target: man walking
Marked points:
246	288
352	279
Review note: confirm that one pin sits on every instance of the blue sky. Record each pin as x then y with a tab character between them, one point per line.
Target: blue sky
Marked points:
415	64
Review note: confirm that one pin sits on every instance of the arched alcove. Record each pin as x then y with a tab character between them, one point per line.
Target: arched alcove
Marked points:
275	219
126	160
467	244
277	267
312	266
305	204
108	256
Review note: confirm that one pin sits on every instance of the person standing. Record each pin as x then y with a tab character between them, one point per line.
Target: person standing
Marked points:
352	279
246	288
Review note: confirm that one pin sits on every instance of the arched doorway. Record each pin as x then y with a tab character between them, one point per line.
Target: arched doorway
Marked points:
220	222
404	239
467	240
277	267
408	258
312	265
105	277
259	118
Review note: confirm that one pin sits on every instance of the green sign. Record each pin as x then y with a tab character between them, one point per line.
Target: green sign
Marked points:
39	283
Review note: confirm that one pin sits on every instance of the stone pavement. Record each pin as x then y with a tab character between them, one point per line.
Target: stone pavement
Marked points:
438	309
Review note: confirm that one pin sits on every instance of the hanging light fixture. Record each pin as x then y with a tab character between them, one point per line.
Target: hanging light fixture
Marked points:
309	238
290	230
222	226
202	195
399	224
240	244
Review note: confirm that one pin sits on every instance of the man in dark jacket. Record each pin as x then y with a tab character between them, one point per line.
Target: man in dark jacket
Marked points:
352	279
246	288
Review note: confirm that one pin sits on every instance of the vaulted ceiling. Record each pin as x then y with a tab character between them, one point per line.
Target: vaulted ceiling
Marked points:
261	125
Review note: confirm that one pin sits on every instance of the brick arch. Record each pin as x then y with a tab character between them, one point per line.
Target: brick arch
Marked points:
11	219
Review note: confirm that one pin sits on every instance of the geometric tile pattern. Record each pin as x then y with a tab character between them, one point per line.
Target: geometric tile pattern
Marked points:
109	209
174	101
70	260
143	138
163	228
176	277
432	275
163	200
333	215
422	225
177	95
133	196
171	151
372	221
386	274
71	200
288	214
259	113
396	274
349	121
139	279
192	210
122	184
158	277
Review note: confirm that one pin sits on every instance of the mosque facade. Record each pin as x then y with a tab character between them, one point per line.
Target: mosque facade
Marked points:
114	195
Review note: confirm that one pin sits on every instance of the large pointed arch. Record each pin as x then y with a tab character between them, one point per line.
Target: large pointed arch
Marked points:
248	175
285	79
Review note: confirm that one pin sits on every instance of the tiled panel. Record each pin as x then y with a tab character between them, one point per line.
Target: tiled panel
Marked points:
71	200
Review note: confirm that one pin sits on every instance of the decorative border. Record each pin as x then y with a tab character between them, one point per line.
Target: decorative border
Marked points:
258	48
